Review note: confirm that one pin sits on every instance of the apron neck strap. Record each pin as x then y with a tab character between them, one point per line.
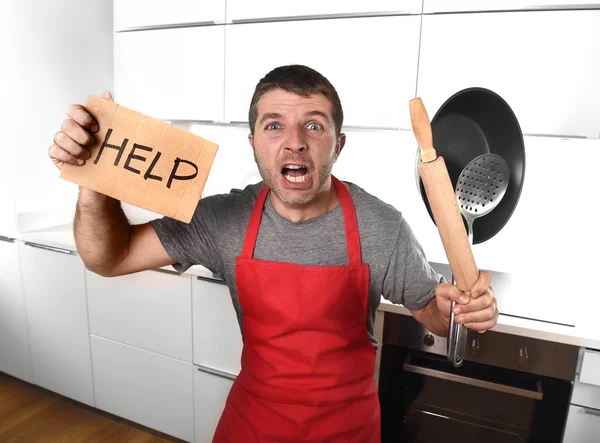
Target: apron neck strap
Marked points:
350	222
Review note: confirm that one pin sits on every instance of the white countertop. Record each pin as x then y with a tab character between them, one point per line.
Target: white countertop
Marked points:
586	331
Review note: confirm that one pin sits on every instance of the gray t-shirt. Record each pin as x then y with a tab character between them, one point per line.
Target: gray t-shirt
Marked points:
398	268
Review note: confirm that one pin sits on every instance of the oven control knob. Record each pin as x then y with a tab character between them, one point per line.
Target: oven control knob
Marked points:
428	340
523	355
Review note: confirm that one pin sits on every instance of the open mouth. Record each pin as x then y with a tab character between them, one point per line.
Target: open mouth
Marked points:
295	173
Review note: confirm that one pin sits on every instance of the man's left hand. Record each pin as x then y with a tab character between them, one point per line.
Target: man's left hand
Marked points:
476	309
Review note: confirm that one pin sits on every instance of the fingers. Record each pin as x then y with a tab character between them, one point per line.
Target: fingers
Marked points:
60	156
84	120
479	320
477	304
63	141
480	287
106	95
451	292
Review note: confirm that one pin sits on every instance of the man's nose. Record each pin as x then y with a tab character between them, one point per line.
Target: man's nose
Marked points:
296	140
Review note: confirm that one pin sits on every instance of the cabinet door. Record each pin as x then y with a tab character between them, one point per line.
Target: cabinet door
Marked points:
234	165
144	387
243	10
150	310
55	300
14	343
549	78
171	73
432	6
130	14
583	425
210	395
217	336
372	65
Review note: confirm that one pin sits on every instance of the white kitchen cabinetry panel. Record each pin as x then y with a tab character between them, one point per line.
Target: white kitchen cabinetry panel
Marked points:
234	165
583	425
130	14
210	395
590	368
14	343
144	387
549	78
217	336
433	6
56	306
373	68
244	10
150	310
171	73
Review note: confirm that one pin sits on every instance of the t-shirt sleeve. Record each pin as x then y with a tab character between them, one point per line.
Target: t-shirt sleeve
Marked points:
410	280
194	243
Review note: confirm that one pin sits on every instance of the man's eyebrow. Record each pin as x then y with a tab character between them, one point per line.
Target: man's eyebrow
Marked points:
319	113
269	115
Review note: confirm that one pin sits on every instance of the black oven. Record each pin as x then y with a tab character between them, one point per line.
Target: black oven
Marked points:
509	388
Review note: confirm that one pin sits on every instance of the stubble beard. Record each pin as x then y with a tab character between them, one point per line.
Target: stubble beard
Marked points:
290	197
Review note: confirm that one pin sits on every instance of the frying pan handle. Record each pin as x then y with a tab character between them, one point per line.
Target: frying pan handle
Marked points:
457	339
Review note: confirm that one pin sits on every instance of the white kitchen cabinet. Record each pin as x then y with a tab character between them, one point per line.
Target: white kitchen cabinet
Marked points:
132	14
590	368
210	395
234	166
244	10
55	300
549	78
440	6
171	73
217	336
150	310
373	66
583	425
144	387
14	342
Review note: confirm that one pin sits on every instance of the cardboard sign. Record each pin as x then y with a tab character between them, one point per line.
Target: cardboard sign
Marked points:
144	161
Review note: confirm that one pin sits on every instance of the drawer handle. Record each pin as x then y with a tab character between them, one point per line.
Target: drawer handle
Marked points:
216	372
166	271
50	248
7	239
590	411
170	26
536	395
239	21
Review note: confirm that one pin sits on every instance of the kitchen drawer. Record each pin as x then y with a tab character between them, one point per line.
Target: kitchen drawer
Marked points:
548	78
586	395
144	387
583	425
130	14
436	6
171	73
210	395
373	67
244	10
150	310
217	336
590	368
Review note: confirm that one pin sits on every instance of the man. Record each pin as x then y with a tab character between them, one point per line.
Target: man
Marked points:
306	258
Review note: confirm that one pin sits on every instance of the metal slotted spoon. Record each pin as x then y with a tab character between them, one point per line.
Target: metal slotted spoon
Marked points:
480	187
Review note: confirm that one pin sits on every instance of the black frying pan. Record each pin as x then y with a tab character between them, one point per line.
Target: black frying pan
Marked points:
477	121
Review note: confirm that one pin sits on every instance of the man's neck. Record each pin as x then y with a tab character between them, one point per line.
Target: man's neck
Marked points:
324	201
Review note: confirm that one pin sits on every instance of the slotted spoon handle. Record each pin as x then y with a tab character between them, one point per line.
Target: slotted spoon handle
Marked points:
442	201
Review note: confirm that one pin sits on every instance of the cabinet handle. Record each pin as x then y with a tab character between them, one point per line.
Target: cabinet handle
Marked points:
166	271
290	18
590	411
170	26
215	279
7	239
216	372
50	248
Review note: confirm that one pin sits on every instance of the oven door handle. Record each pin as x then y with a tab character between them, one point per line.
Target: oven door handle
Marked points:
536	395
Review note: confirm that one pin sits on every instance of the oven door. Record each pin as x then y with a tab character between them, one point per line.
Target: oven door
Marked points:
425	399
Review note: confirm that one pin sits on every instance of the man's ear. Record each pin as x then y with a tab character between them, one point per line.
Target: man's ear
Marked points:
340	145
251	140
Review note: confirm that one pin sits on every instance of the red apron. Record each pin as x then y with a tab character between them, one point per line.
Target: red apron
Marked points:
307	362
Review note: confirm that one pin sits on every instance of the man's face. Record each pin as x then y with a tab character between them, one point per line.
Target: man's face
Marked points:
294	144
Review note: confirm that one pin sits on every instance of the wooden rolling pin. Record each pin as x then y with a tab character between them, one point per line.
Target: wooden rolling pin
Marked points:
442	201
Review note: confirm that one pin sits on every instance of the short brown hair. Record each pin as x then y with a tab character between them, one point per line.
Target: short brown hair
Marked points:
300	80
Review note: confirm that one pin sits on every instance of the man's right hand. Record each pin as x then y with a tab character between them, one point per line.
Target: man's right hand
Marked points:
72	141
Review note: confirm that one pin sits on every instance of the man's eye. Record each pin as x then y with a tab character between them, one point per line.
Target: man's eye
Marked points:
314	126
272	126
